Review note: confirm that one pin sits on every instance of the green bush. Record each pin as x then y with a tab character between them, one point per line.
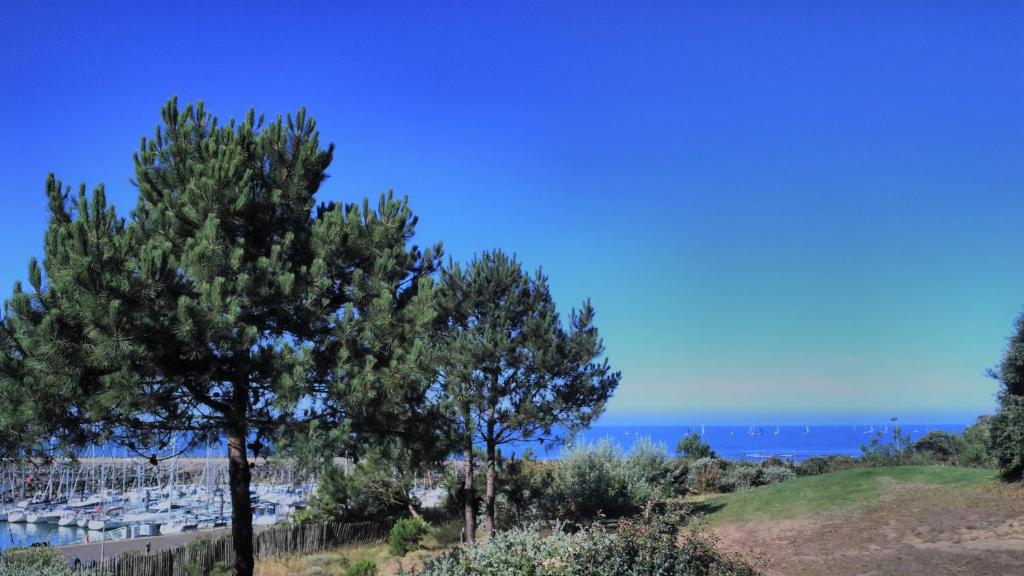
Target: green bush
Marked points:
406	536
1007	428
740	476
43	561
643	472
221	569
676	471
592	480
586	483
824	465
694	448
362	568
705	475
975	444
775	474
650	545
368	490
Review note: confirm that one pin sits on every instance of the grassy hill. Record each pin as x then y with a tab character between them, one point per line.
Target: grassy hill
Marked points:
836	492
911	521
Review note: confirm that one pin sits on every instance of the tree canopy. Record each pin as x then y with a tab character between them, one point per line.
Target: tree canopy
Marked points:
228	303
1007	426
513	371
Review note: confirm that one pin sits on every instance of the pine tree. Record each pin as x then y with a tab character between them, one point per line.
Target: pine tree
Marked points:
1007	425
513	371
228	304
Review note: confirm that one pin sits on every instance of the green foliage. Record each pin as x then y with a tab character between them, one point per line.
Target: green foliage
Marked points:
513	370
593	480
939	446
406	535
587	482
653	544
1007	429
825	464
975	442
373	488
362	568
43	561
692	447
1007	426
229	299
643	472
221	569
879	452
705	475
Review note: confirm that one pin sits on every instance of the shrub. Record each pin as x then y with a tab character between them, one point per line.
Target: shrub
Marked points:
592	480
368	490
705	475
587	482
693	448
362	568
775	474
653	544
643	472
221	569
1007	445
43	561
406	535
824	465
676	471
975	440
740	476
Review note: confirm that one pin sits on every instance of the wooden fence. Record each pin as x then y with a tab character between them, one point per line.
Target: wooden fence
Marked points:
198	557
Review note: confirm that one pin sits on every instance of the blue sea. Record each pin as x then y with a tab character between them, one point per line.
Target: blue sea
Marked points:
752	443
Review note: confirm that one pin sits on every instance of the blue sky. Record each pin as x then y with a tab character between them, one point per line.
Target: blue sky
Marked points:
795	211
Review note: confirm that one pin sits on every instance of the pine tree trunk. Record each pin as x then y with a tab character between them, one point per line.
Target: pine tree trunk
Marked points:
469	497
489	495
239	478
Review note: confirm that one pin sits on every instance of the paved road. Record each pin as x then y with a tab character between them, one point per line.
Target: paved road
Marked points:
91	551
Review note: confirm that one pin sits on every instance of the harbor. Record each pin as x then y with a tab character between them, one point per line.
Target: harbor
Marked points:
105	499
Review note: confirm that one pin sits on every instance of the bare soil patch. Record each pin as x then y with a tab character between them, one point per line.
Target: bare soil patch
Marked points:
912	530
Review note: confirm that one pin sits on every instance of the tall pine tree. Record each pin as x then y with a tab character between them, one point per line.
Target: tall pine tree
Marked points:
513	371
228	304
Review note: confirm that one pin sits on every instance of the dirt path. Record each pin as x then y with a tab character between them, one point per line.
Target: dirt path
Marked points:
913	530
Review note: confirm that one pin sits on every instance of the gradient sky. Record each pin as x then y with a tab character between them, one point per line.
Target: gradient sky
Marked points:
781	211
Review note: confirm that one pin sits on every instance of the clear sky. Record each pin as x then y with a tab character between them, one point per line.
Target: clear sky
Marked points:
803	211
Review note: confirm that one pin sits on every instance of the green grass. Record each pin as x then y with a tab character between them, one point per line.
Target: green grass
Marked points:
835	492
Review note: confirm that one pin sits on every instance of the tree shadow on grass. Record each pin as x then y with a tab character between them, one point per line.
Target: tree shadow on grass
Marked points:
707	508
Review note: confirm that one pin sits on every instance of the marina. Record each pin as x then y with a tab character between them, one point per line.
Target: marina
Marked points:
102	499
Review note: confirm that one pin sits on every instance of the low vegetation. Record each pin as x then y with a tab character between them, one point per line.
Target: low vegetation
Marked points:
833	492
652	544
42	561
406	535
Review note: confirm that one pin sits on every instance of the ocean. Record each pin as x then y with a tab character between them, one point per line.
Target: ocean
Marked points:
751	443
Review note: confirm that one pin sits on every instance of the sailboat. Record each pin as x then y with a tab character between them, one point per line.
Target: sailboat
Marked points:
777	431
807	430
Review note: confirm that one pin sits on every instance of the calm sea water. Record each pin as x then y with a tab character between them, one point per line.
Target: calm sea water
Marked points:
754	443
21	534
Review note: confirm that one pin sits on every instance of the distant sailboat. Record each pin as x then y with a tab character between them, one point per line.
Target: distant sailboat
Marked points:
807	430
777	430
